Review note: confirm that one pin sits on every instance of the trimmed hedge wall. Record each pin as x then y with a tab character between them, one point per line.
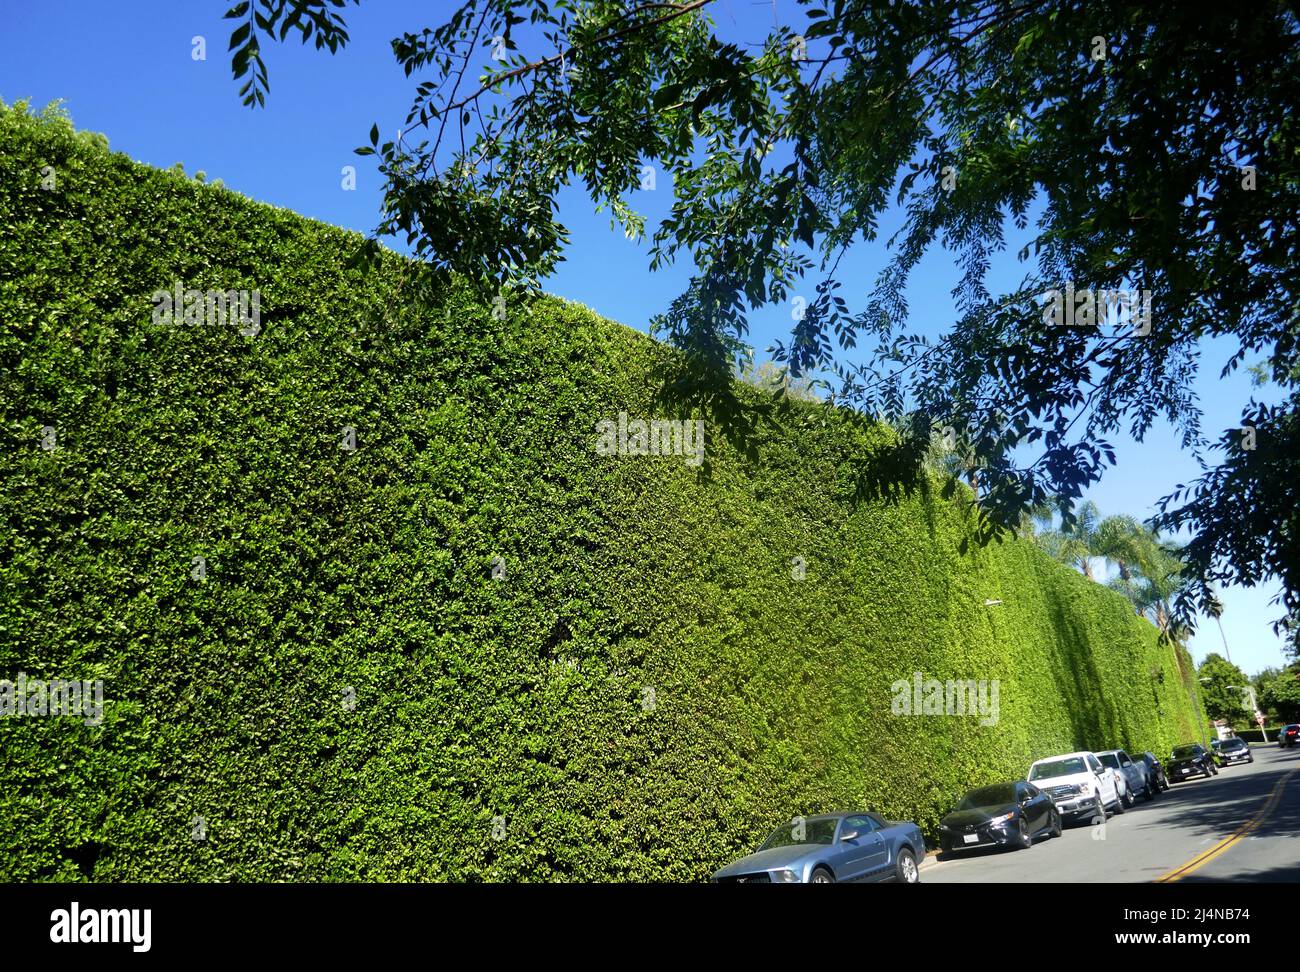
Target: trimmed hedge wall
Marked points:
349	693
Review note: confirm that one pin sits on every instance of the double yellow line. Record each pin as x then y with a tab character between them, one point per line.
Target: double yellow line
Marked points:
1200	860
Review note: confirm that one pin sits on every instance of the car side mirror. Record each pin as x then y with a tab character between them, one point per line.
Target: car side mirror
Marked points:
851	835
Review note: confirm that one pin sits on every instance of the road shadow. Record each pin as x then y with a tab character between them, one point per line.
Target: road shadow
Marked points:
977	853
1220	805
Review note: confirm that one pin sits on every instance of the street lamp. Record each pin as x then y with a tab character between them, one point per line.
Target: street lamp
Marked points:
1253	706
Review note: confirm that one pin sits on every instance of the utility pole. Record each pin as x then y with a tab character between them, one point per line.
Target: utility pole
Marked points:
1252	705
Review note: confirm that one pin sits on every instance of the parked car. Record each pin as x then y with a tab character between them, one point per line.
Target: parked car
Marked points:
1288	735
1234	749
1002	815
1078	784
833	847
1155	770
1188	760
1132	775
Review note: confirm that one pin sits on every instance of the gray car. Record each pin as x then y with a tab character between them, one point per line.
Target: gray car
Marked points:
1133	772
833	847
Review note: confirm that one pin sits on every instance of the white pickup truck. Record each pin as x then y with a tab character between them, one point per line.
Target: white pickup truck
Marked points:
1078	784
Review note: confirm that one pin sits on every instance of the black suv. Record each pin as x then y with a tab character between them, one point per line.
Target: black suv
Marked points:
1188	760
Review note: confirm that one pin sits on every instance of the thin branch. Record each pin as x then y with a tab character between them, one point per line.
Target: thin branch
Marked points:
563	55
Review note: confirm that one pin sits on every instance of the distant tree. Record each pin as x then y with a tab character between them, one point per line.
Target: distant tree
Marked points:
1222	701
1264	675
1259	681
1281	695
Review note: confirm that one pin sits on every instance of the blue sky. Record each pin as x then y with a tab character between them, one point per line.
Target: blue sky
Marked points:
128	71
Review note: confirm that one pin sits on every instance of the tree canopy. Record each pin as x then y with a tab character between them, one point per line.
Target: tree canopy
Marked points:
1222	685
1280	694
1148	153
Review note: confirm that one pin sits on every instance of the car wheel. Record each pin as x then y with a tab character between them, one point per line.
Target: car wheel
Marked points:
907	872
1127	799
1099	809
1119	804
1055	828
821	875
1149	793
1023	839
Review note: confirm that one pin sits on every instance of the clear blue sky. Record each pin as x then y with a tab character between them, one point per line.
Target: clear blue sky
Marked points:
127	70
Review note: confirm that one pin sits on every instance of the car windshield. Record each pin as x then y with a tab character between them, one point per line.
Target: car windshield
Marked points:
1182	752
989	796
802	832
1057	767
1110	759
1234	744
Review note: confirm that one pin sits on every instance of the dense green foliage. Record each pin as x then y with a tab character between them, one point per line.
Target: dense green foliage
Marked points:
473	698
1222	690
1280	694
1113	145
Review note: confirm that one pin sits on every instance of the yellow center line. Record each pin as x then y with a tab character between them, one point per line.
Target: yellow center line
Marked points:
1200	860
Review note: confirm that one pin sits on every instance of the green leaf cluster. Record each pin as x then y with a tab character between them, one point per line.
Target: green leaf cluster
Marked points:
350	693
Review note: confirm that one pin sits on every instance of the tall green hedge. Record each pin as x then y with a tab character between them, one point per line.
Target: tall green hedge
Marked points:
350	693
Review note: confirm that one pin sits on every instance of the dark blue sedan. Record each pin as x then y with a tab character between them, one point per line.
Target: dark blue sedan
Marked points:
833	847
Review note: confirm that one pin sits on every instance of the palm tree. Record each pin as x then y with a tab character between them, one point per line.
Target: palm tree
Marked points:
1125	542
1150	572
1156	583
1075	546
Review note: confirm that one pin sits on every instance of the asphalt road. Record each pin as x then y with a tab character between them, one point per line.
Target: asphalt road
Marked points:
1242	825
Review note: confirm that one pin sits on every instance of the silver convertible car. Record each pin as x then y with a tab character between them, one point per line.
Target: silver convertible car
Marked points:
832	847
